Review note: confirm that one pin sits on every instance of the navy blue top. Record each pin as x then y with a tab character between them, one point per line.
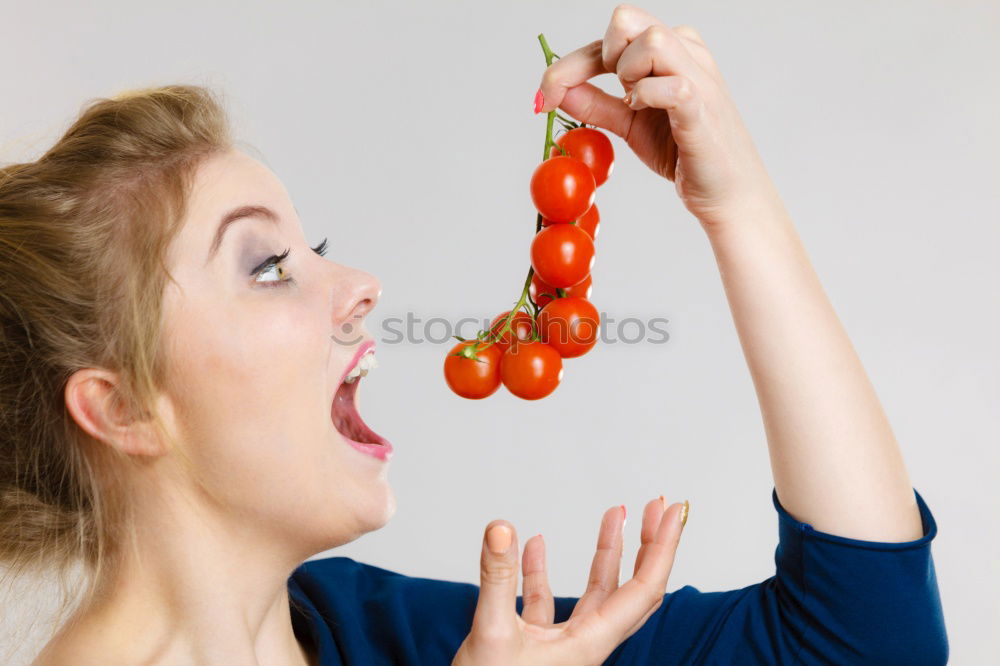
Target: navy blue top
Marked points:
832	600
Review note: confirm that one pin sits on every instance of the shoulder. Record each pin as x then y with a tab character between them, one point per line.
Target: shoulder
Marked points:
344	580
346	569
366	608
83	642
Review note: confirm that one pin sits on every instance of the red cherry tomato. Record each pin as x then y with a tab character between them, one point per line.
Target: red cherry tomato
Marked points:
562	188
522	325
531	369
542	292
473	378
562	254
570	326
593	148
589	222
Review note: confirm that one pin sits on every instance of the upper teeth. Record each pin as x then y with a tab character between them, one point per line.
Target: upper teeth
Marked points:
361	368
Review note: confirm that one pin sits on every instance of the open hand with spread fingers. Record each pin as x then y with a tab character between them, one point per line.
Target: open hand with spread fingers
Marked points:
603	617
677	114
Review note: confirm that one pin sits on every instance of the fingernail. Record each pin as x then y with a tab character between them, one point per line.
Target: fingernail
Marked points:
539	100
684	513
498	539
663	502
627	98
624	518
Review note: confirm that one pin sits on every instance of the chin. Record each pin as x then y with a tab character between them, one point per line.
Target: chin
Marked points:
382	509
357	515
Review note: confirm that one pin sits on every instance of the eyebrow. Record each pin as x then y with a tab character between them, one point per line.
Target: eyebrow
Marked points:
239	213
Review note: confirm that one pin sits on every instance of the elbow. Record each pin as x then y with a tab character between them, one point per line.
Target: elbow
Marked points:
932	651
919	653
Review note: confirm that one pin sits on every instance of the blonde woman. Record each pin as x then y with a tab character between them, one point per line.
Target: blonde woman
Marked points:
178	416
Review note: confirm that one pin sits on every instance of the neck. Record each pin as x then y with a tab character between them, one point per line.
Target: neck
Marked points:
196	587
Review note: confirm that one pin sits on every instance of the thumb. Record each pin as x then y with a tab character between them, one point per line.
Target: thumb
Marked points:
589	104
496	607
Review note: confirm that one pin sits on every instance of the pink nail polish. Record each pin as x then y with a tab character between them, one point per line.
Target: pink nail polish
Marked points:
539	100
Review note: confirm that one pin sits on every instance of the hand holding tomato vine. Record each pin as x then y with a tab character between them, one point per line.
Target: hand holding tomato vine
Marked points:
677	115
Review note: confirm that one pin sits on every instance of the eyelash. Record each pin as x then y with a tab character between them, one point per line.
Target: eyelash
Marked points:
276	259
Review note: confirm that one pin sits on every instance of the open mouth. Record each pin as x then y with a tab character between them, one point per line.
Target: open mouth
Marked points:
346	419
344	411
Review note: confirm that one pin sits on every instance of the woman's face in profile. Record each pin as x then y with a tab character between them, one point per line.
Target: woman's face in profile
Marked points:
258	358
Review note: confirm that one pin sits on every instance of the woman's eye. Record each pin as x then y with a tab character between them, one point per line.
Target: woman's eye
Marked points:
271	266
272	270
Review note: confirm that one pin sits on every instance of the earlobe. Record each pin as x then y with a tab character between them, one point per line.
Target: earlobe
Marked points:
92	399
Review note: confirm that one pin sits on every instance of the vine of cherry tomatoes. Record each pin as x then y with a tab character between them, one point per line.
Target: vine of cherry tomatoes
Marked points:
524	347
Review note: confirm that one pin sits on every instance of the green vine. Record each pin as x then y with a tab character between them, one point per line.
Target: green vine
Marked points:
486	338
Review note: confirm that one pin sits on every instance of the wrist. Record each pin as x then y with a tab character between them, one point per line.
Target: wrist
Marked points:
756	211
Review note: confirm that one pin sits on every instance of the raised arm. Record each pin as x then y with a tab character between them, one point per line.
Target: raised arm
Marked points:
835	461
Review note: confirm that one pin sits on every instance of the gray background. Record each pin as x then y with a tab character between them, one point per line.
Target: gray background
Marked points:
405	134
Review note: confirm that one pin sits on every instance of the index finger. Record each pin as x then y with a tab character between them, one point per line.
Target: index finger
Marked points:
564	85
598	57
626	24
570	70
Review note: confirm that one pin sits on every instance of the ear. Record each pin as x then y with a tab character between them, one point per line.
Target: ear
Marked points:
93	400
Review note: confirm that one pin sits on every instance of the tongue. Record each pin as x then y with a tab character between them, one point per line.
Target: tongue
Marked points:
346	419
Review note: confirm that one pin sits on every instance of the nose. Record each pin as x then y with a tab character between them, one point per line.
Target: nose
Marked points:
355	294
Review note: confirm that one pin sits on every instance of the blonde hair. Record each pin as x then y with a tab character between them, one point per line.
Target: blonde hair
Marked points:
83	235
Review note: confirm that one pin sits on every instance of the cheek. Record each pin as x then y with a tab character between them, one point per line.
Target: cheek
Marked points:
253	396
256	357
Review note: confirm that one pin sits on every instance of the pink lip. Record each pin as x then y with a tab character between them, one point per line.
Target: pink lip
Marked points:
381	451
365	346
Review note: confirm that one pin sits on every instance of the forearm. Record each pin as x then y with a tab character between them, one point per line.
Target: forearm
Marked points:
835	460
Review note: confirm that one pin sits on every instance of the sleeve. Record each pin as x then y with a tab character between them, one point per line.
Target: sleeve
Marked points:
832	600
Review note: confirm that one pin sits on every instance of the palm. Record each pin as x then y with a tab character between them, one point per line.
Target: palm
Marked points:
651	140
602	618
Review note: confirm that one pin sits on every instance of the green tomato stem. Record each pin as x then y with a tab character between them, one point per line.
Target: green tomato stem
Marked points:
568	120
494	336
550	117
